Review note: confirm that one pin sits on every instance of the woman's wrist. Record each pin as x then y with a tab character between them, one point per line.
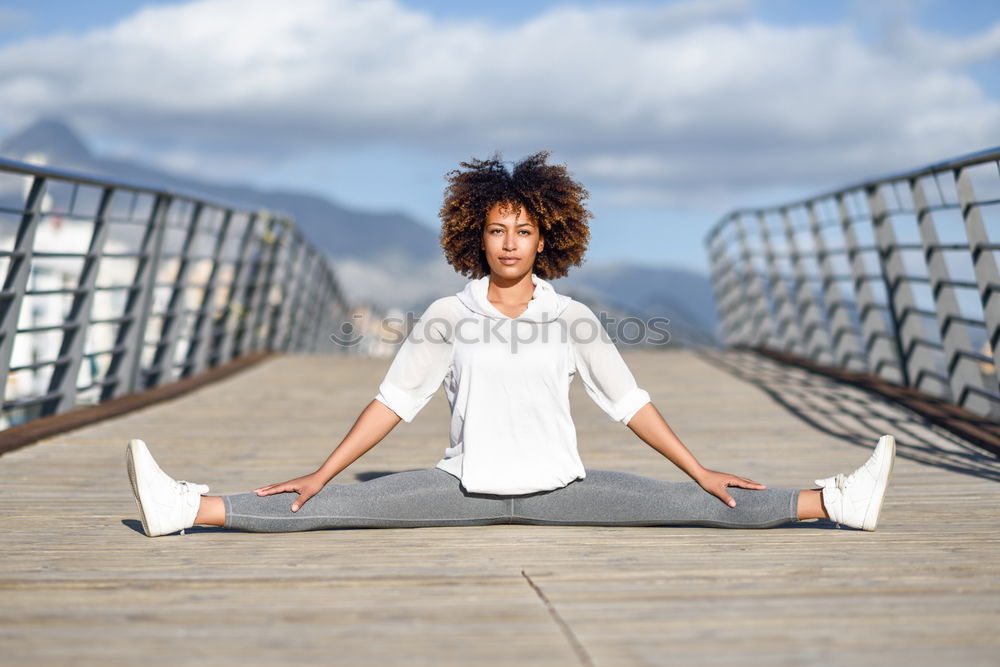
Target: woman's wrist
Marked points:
323	475
698	473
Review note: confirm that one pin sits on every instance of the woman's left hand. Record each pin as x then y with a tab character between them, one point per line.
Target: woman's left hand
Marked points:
716	483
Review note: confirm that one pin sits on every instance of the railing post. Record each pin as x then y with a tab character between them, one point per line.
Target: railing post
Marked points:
305	303
724	286
815	339
18	272
760	324
311	311
275	240
740	303
846	349
163	360
326	313
202	331
236	312
65	371
785	309
253	297
984	263
123	371
907	325
962	371
285	313
879	353
305	262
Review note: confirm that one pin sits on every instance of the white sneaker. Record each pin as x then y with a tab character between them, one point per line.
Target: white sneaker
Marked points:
856	500
165	505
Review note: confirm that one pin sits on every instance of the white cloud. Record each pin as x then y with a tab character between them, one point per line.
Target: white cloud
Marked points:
660	102
921	46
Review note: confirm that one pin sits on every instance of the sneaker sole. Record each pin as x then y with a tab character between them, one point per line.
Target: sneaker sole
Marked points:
871	516
130	464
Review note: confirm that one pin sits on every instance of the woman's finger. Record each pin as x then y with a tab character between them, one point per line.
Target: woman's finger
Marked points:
276	488
301	500
270	486
743	483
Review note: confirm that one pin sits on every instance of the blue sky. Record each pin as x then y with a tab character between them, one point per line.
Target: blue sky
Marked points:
670	112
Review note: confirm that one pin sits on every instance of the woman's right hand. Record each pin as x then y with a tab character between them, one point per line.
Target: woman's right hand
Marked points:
306	486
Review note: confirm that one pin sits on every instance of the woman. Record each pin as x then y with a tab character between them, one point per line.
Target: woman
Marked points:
506	349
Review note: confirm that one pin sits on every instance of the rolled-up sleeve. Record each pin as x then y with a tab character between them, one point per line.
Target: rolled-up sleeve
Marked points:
420	364
605	375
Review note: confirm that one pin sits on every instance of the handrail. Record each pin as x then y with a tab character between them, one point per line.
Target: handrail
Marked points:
895	277
974	158
69	175
190	282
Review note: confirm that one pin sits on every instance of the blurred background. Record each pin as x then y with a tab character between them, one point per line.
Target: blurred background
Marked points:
348	113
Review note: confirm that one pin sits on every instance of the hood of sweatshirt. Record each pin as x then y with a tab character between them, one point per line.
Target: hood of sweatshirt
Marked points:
545	305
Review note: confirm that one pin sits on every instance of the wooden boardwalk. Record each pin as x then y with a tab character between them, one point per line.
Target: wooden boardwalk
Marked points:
80	585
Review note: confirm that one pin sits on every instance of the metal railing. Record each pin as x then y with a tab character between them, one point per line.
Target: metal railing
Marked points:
113	288
896	277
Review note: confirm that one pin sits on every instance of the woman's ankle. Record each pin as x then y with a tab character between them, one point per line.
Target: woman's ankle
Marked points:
211	512
810	505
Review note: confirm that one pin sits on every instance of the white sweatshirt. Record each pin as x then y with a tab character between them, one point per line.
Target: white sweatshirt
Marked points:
507	384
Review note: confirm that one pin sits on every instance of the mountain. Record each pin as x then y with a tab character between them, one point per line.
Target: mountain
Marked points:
48	137
371	250
340	231
684	296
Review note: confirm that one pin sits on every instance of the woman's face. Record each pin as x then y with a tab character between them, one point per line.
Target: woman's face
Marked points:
511	239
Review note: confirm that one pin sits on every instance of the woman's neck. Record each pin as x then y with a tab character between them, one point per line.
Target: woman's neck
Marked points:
508	291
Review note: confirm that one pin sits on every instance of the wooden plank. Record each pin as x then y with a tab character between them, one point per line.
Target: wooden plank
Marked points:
79	585
27	433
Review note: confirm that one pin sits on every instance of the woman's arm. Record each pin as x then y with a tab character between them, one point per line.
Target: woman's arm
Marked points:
653	429
414	375
372	425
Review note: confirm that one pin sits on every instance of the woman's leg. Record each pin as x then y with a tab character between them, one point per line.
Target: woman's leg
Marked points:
609	498
809	505
401	500
435	498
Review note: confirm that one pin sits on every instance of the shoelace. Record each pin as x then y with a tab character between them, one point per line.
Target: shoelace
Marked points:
840	480
184	490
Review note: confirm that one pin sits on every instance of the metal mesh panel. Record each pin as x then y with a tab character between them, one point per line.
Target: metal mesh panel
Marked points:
112	288
896	277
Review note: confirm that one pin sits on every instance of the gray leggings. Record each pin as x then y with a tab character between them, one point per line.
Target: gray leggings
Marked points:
434	497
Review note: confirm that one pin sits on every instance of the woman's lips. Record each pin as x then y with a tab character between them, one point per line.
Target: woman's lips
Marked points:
513	260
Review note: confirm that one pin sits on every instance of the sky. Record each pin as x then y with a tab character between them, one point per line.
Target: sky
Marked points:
670	113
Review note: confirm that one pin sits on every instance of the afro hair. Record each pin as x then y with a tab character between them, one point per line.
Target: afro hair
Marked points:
547	193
